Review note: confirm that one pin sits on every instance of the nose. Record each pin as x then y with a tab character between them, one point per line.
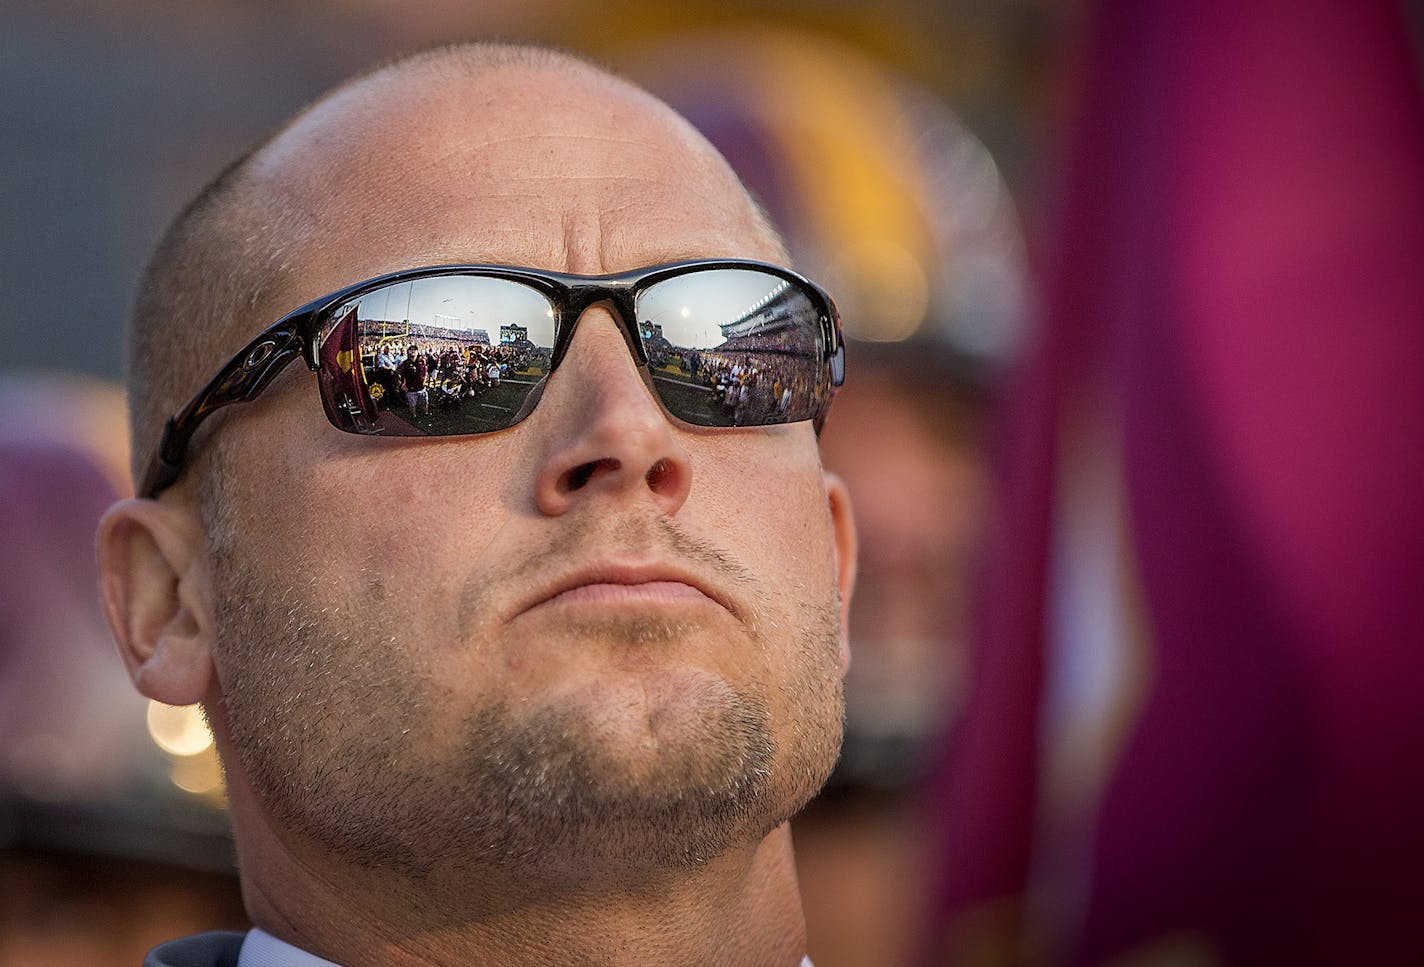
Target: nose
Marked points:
609	437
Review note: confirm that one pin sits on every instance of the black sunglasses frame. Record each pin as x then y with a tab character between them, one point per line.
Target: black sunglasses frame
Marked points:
300	333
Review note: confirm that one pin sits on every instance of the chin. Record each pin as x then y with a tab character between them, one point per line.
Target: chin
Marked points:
637	779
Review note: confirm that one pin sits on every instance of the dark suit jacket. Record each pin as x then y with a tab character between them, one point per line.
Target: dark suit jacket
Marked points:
218	949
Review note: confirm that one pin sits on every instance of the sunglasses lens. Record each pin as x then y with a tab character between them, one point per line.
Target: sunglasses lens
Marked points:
437	356
734	347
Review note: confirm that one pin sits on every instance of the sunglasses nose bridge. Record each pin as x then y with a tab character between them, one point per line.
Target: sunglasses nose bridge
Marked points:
619	304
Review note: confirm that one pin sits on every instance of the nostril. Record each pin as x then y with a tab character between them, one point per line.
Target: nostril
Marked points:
658	475
578	477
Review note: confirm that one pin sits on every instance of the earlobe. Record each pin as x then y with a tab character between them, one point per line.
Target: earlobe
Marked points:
154	588
843	523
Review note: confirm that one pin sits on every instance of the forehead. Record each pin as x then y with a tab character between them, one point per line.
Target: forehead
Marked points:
563	169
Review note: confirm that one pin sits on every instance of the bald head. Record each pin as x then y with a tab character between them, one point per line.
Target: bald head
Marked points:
473	153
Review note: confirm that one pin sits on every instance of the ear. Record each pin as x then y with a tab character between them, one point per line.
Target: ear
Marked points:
843	525
155	590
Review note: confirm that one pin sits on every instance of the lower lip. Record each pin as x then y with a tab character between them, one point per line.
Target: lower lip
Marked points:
649	592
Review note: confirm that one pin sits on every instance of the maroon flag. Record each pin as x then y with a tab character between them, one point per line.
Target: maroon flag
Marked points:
1197	725
349	399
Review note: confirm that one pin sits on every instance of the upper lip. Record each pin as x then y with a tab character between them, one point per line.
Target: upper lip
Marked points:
615	572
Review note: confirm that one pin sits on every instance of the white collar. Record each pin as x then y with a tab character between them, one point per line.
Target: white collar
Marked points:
261	949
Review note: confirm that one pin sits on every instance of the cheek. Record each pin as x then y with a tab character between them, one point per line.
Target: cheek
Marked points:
768	506
353	498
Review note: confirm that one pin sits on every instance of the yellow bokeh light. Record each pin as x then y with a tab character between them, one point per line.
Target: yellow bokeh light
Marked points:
198	774
882	290
178	730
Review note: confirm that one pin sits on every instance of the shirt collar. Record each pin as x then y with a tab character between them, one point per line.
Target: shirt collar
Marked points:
261	949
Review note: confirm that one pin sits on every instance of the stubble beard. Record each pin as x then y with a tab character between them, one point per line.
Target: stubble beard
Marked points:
326	724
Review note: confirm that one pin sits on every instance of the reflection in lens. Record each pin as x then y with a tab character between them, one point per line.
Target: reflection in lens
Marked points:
448	355
733	347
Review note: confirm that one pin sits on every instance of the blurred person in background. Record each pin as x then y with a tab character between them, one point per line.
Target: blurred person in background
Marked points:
923	511
102	853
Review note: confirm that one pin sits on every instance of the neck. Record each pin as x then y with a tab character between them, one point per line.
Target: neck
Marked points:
742	908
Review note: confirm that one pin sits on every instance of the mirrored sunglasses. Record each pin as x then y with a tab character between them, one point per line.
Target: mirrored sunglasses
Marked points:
458	350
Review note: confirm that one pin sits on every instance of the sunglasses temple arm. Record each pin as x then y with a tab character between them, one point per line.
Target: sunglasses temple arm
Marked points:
244	377
161	471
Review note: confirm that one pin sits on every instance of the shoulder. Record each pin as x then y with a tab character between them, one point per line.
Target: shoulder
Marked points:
218	949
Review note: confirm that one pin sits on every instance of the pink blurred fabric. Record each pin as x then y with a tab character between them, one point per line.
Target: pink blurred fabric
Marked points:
1240	259
67	715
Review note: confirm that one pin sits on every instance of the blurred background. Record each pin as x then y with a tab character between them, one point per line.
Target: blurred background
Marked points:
1133	429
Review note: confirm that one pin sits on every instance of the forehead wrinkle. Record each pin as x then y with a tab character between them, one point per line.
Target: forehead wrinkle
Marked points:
590	242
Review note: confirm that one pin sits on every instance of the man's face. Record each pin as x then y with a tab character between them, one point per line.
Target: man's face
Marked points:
594	634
